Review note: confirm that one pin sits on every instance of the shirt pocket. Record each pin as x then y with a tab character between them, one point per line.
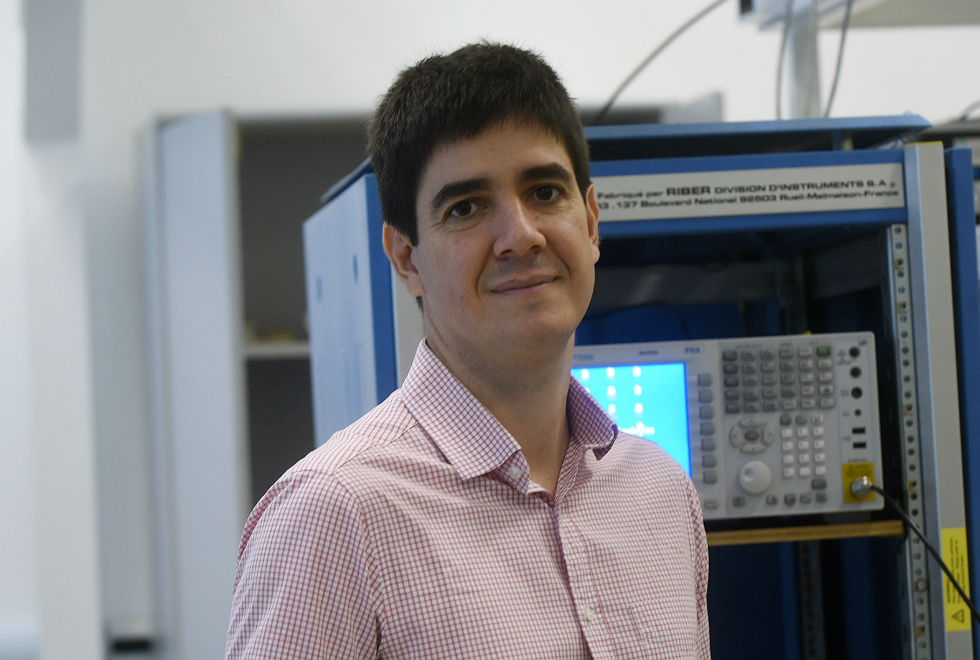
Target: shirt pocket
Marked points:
661	630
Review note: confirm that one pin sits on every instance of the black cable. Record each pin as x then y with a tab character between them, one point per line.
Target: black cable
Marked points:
656	51
840	57
932	550
970	108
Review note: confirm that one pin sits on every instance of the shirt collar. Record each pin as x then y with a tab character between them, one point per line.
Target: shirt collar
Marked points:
468	434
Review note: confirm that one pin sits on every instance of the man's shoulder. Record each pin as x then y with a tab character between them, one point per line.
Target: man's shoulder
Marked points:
648	460
384	425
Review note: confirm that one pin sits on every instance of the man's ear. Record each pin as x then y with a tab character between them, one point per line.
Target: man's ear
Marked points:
401	254
592	218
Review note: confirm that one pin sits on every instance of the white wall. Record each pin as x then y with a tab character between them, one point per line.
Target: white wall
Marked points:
18	621
144	59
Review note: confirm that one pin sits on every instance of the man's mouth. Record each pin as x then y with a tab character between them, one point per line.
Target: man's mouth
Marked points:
517	285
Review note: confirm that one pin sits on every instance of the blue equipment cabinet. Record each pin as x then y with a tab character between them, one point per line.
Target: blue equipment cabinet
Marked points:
745	230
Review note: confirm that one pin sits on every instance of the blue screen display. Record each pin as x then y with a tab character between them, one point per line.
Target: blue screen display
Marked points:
646	400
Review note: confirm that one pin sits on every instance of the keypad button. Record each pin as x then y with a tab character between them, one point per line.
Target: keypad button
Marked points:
789	498
826	376
820	457
818	431
804	498
787	379
789	404
729	356
825	364
708	445
803	445
710	503
705	396
807	378
731	381
704	380
748	355
824	351
804	471
709	461
819	484
772	500
785	352
750	381
786	432
707	412
707	428
820	496
805	352
733	408
738	501
766	354
751	407
806	365
769	379
789	472
787	445
826	403
803	432
818	444
789	459
804	458
770	406
750	395
820	470
729	368
808	404
710	477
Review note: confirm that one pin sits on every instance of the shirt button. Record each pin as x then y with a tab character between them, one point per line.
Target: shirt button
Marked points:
589	614
514	472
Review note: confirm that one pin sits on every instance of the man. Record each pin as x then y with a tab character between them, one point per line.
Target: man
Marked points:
488	508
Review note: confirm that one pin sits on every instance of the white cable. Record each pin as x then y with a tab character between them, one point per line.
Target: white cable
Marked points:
840	57
782	57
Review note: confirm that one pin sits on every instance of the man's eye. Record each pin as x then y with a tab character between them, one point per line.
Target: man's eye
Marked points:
462	209
546	193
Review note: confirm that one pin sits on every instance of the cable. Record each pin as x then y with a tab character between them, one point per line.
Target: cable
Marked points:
864	485
656	51
840	57
970	108
787	21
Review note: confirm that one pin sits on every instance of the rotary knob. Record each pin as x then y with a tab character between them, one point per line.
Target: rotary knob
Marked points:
755	477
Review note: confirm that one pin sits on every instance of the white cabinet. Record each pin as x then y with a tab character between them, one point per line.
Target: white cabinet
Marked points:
230	379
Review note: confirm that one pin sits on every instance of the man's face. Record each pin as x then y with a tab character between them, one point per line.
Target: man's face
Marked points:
507	245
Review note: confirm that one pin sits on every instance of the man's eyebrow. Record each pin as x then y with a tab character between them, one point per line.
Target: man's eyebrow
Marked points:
457	189
549	171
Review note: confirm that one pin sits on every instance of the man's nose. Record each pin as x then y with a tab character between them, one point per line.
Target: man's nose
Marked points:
517	229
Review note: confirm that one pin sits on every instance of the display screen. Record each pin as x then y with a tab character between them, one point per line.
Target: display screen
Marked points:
646	400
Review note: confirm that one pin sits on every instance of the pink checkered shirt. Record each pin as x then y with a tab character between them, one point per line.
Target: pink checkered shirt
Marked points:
417	533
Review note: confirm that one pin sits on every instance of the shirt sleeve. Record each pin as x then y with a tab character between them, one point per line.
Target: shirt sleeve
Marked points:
699	548
302	585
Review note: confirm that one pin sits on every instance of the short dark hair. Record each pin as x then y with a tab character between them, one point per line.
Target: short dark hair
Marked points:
445	98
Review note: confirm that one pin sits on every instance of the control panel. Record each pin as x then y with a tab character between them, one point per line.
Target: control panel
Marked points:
765	426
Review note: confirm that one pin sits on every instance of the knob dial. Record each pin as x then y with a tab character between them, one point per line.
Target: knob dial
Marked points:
755	477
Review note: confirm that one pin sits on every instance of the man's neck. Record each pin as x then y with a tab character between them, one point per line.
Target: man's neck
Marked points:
529	398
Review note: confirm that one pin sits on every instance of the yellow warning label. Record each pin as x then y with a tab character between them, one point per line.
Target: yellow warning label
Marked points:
852	471
955	556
